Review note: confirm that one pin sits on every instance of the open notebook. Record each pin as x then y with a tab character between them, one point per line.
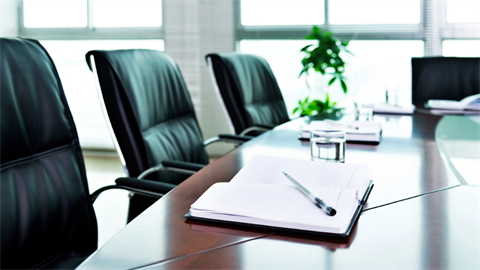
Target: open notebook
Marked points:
357	131
468	103
260	195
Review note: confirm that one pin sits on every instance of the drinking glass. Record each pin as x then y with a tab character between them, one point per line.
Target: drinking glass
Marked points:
328	145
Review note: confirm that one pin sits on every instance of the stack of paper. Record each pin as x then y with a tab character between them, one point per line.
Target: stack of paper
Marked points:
393	109
356	131
384	108
261	195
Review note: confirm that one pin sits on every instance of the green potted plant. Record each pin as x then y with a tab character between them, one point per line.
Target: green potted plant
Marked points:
323	57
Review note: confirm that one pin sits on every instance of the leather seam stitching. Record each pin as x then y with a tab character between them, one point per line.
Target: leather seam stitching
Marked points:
38	155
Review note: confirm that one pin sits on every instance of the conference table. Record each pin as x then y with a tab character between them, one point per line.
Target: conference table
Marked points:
423	211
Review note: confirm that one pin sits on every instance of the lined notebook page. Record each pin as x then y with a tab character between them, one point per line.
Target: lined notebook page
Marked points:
275	203
268	170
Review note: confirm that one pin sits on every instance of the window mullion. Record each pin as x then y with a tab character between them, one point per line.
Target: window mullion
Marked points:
433	39
326	23
90	15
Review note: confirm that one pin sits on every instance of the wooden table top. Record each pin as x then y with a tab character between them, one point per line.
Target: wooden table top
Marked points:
427	232
418	215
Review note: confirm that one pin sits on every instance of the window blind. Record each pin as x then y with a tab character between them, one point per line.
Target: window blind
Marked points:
192	30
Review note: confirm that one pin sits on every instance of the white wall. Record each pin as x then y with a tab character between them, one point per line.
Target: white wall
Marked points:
9	18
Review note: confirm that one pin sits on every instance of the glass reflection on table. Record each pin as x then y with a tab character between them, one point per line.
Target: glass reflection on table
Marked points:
458	140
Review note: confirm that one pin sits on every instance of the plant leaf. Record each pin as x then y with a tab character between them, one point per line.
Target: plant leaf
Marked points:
344	85
304	70
304	49
332	80
316	30
295	110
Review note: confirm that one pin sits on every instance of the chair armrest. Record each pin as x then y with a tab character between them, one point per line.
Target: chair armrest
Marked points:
149	185
144	187
231	138
266	126
173	166
235	138
257	128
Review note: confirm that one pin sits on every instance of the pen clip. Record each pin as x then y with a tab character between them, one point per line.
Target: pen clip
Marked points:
318	202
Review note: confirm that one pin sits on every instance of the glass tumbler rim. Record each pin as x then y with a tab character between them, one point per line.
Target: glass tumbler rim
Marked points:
329	133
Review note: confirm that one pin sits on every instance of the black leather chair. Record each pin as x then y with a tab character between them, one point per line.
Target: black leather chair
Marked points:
152	116
451	78
47	218
249	92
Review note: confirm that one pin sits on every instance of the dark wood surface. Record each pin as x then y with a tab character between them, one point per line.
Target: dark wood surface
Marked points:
434	231
429	231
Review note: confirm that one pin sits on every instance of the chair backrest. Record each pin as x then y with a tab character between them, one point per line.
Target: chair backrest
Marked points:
45	203
149	108
248	90
450	78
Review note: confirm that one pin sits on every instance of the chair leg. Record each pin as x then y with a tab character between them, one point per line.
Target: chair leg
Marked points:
137	205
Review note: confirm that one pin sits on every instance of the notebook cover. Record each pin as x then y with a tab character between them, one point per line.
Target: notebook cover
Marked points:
339	235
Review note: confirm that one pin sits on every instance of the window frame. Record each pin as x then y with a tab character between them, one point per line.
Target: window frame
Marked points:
420	31
364	32
89	32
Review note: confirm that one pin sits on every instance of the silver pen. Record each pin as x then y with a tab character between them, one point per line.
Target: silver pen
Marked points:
319	202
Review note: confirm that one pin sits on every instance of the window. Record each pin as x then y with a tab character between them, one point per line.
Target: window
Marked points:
282	12
55	14
138	13
384	35
463	11
461	48
374	12
91	14
377	65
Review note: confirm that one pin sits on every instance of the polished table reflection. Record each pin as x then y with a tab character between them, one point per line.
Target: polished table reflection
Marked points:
423	211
